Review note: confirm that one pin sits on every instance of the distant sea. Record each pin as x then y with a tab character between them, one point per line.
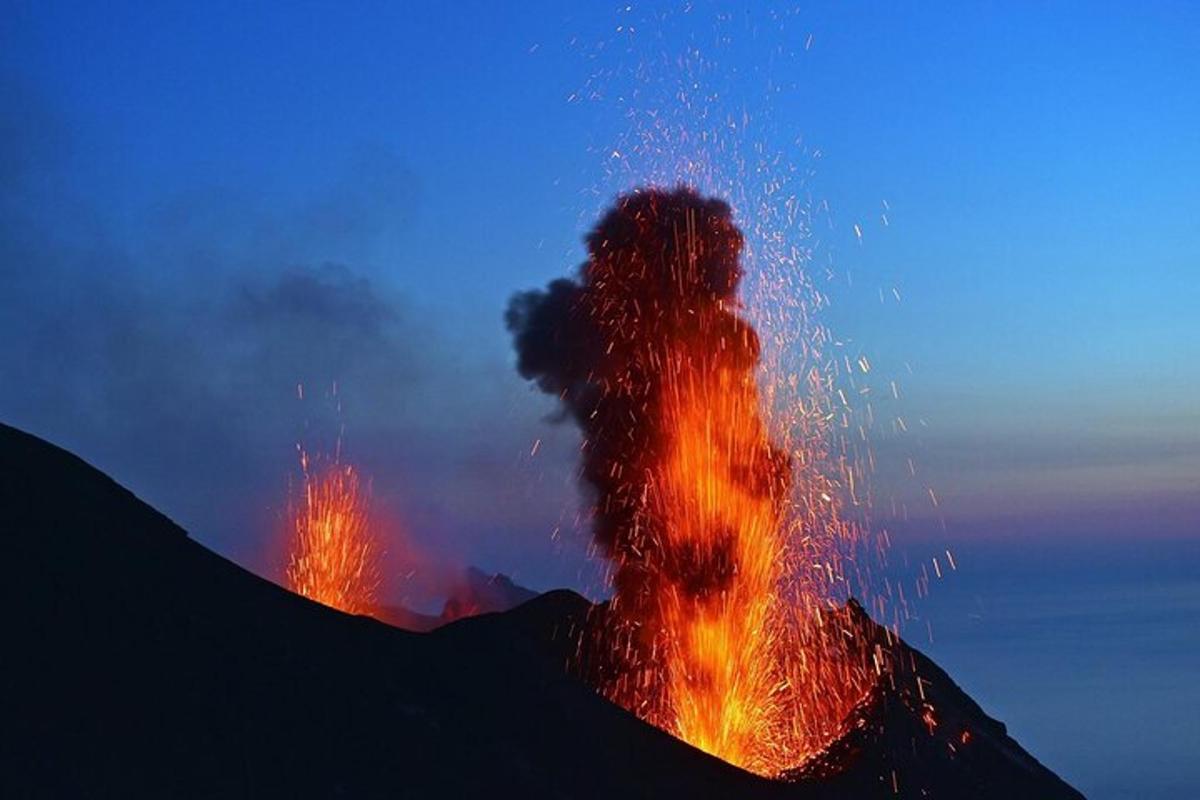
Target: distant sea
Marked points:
1088	650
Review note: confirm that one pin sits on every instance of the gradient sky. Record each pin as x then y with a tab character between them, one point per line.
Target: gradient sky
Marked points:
204	206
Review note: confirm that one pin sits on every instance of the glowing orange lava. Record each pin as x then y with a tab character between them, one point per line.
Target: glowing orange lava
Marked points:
752	663
722	674
334	558
711	500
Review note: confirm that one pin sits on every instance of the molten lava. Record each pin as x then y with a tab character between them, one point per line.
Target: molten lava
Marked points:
721	636
334	557
717	496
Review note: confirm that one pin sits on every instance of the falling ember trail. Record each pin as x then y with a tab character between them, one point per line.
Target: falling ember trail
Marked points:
334	556
714	639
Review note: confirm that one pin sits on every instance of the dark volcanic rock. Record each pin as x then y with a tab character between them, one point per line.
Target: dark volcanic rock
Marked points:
476	593
137	663
480	593
406	618
919	735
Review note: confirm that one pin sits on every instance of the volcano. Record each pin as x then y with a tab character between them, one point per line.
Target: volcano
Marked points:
140	664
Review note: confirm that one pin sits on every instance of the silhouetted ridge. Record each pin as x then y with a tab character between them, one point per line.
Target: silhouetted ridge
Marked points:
139	664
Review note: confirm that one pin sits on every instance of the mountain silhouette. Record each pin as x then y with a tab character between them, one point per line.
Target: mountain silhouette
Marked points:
137	663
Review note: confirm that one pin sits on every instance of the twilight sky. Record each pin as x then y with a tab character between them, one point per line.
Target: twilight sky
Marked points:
204	209
204	206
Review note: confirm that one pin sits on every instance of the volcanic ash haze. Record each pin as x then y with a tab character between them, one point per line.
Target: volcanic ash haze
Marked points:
647	353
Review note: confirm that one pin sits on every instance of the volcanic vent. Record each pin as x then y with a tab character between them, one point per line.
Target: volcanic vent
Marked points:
334	556
693	502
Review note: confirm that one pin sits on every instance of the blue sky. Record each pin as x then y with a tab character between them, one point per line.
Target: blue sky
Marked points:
1036	164
206	204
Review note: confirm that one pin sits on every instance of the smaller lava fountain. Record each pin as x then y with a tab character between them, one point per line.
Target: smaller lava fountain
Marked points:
334	557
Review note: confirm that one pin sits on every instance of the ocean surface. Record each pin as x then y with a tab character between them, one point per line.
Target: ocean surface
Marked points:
1089	652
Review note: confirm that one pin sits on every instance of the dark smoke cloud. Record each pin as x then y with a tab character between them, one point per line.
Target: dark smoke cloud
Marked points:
631	278
182	341
654	303
164	344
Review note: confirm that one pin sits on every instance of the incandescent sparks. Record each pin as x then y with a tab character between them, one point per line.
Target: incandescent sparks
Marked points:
721	627
334	556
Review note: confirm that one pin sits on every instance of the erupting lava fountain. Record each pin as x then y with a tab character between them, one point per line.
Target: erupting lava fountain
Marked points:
726	546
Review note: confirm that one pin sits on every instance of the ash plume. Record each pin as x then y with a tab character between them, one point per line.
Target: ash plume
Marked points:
650	317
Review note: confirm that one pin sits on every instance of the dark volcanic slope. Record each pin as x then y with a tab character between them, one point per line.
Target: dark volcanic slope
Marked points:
919	735
136	663
476	593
